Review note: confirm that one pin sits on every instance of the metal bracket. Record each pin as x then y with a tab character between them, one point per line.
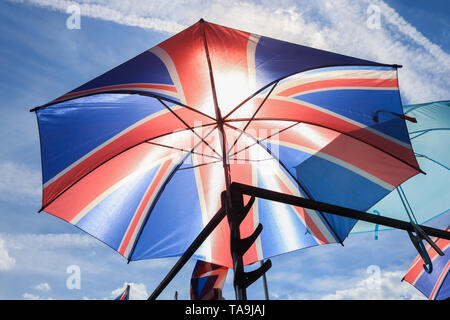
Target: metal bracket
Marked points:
245	279
416	240
241	246
236	214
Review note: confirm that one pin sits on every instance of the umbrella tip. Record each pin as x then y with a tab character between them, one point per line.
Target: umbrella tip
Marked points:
201	20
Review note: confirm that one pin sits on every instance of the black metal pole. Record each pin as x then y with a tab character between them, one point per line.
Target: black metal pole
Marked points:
266	291
337	210
234	220
212	224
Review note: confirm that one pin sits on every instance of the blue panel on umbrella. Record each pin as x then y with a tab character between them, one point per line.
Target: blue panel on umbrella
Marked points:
117	209
144	68
444	292
329	182
174	222
86	123
362	106
281	220
275	59
427	281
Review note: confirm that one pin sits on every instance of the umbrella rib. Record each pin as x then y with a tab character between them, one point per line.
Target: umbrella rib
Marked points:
220	160
253	116
188	126
181	149
219	119
293	177
422	132
341	132
268	137
424	105
250	160
201	164
150	95
432	160
161	190
250	97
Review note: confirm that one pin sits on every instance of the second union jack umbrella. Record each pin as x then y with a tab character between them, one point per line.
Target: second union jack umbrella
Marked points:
436	284
207	281
139	156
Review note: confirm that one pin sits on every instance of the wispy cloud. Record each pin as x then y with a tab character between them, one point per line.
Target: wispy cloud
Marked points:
43	287
45	259
50	241
136	14
338	26
6	262
360	285
386	287
19	182
30	296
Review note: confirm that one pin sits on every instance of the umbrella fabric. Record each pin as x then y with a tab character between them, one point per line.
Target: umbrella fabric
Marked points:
427	194
434	285
125	295
138	156
207	280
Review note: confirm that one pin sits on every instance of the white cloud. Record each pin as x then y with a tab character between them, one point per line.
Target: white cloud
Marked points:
30	296
50	241
386	287
130	14
19	183
337	26
43	287
49	255
138	291
360	285
6	262
408	30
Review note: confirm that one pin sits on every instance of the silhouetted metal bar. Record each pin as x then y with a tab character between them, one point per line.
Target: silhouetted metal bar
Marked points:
266	290
237	188
212	224
337	210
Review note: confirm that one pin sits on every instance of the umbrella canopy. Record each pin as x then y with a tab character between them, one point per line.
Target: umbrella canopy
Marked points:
207	281
425	196
436	284
139	156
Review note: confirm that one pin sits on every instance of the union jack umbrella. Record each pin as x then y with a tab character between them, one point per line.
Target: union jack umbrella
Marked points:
125	295
138	157
436	284
207	281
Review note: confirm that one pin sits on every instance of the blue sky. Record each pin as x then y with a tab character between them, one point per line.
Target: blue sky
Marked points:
41	59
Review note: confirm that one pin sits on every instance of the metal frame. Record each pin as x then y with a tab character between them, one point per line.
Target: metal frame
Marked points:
237	212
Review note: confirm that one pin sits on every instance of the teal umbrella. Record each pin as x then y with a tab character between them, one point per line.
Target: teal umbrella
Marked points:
423	197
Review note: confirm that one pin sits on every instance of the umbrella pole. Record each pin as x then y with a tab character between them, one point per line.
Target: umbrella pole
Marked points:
238	246
266	290
234	214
